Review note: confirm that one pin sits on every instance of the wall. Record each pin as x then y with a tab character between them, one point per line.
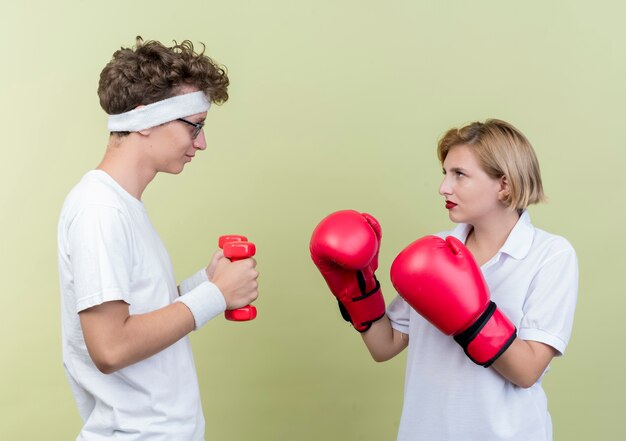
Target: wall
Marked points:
333	105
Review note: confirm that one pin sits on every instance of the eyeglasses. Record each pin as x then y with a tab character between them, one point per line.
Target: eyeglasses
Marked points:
198	127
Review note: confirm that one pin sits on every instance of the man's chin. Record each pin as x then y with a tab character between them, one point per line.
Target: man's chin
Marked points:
173	171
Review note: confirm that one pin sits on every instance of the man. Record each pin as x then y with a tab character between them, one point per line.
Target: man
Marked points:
124	320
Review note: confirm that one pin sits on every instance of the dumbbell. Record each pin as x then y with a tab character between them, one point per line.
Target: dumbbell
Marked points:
237	248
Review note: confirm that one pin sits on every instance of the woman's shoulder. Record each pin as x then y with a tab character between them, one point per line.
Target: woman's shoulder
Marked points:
551	244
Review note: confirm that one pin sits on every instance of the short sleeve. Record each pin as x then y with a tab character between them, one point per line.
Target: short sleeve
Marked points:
399	312
550	305
99	241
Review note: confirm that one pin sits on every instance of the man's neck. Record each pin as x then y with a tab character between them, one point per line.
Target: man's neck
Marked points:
123	161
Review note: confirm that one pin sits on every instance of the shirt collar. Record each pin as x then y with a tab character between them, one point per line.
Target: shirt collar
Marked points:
518	243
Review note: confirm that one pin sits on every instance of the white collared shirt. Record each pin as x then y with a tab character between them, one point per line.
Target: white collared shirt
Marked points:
534	280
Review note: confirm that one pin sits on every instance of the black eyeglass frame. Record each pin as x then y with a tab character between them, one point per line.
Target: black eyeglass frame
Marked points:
198	127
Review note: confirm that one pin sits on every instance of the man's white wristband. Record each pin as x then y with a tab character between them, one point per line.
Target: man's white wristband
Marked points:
191	282
205	301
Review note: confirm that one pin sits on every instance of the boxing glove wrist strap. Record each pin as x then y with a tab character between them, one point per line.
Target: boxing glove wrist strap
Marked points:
205	302
363	287
364	310
488	337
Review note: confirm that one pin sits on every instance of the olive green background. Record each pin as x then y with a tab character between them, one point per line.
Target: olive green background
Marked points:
334	104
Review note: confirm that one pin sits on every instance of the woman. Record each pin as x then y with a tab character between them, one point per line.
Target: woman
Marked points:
491	175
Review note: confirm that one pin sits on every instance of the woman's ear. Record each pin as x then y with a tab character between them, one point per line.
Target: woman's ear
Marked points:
505	191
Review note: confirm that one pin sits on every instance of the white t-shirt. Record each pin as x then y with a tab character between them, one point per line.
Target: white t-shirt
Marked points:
108	250
534	280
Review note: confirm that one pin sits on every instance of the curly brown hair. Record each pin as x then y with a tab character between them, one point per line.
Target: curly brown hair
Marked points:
152	72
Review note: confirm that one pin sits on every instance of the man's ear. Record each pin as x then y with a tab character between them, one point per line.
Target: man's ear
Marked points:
144	132
505	189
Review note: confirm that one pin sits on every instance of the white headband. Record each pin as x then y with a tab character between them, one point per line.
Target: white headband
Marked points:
160	112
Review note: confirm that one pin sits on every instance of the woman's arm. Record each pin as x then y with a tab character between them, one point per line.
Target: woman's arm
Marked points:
383	341
524	362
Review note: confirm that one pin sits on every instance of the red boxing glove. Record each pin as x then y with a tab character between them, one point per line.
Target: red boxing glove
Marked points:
344	247
236	248
442	282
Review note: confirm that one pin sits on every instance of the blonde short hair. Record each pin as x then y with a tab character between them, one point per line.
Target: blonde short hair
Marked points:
502	150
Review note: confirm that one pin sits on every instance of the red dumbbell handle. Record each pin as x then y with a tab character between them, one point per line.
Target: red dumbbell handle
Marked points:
237	248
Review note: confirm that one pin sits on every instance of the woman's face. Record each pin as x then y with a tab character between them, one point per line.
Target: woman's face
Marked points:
471	195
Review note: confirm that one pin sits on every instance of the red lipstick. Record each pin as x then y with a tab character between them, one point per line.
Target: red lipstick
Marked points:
450	205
